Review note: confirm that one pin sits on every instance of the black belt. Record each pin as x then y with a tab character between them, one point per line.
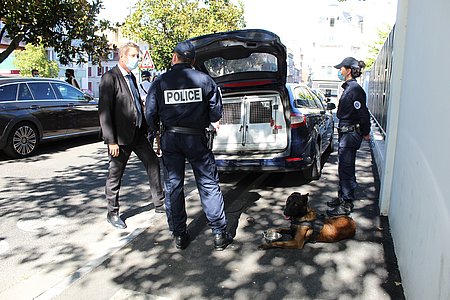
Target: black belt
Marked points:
184	130
348	128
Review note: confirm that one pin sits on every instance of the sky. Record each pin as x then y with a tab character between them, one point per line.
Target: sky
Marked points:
290	19
262	14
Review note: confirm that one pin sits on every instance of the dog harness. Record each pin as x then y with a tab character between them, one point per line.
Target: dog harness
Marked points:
316	225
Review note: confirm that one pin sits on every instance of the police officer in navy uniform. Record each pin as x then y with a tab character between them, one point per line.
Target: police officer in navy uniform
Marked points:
354	126
185	102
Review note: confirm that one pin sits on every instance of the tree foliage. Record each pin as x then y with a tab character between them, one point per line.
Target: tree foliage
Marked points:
70	27
164	23
376	47
35	57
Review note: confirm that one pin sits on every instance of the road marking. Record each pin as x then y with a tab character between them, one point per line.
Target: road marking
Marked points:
124	294
97	261
4	246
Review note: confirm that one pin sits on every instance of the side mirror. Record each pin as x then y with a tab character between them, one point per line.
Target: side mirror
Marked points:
88	97
331	106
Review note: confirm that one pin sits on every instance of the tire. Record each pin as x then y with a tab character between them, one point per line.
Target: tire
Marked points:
315	170
22	140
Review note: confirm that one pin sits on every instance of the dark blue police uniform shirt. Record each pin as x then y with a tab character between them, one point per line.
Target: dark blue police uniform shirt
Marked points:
183	97
352	108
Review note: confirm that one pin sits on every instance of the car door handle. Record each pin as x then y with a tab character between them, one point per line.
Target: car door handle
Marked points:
242	127
71	105
35	107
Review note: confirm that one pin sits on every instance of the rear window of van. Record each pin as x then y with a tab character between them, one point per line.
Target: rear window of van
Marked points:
256	62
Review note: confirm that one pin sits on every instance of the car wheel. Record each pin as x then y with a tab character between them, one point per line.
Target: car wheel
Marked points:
22	140
315	170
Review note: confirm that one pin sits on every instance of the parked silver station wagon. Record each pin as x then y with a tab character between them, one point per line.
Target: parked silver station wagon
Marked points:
36	110
267	124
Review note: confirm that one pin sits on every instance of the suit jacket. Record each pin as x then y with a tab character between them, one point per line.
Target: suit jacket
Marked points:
116	109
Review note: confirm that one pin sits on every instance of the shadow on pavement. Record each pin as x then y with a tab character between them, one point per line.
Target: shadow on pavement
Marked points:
359	268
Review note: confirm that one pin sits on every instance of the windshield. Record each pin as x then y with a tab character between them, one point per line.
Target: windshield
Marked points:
256	62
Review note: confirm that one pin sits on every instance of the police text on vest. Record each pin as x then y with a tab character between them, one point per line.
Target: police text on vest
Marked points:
183	96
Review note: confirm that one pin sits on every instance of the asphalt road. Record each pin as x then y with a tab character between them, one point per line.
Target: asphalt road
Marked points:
56	243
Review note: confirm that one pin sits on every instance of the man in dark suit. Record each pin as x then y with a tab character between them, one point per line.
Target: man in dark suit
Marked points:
125	130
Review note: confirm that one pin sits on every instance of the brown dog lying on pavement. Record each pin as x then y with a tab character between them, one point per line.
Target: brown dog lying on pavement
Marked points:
307	227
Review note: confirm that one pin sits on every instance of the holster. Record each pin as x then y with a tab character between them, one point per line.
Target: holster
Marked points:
210	134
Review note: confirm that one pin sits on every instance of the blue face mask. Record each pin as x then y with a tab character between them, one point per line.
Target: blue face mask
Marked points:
132	63
341	77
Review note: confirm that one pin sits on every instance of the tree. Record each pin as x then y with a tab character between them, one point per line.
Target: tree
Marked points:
34	57
164	23
70	27
376	47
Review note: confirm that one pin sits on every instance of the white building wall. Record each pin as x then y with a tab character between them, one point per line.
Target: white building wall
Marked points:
416	178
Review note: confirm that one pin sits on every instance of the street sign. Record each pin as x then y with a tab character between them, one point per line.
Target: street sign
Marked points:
147	62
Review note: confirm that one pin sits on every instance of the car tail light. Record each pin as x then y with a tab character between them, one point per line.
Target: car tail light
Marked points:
297	120
293	159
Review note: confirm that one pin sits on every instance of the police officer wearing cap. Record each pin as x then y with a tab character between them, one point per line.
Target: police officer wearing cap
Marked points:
354	126
185	101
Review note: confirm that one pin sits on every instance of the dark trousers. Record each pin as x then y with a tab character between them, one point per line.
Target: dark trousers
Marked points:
349	143
176	149
145	153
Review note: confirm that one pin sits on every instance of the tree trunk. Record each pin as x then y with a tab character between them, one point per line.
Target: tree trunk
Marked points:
12	46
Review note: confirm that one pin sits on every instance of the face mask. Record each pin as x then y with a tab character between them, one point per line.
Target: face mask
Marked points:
341	77
132	63
35	75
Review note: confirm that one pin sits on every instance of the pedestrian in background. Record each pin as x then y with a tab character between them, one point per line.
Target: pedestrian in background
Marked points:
70	78
354	126
184	137
144	85
34	73
124	130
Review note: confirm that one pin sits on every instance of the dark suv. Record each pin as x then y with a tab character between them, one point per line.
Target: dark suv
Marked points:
35	110
267	124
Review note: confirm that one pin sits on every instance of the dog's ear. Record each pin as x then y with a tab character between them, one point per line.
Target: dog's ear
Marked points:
304	199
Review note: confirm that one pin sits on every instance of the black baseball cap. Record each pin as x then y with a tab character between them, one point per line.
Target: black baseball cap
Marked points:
145	74
348	62
185	49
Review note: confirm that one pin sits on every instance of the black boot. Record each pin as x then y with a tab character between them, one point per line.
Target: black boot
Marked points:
344	209
182	241
335	202
222	240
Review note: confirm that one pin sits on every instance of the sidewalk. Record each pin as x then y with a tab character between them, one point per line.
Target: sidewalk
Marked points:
150	267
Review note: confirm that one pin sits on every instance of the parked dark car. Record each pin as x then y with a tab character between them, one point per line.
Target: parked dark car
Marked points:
36	110
267	124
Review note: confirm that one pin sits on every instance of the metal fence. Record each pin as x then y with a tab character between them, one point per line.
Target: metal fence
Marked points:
378	87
